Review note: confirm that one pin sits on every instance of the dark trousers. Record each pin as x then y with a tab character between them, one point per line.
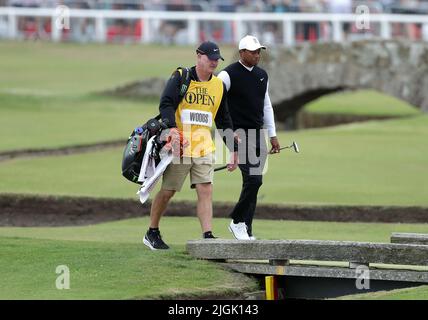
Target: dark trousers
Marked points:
251	163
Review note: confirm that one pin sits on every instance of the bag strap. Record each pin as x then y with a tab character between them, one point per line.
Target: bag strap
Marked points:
184	85
185	81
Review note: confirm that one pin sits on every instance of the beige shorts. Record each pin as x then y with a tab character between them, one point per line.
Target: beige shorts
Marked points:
201	171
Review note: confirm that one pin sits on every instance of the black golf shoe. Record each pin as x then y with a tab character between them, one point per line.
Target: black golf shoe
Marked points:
208	235
154	241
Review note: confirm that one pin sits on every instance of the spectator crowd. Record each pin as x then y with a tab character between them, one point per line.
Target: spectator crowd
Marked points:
169	32
335	6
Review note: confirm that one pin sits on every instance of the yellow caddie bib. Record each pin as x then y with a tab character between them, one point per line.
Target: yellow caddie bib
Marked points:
196	113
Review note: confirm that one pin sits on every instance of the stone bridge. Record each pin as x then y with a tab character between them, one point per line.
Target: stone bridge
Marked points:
303	73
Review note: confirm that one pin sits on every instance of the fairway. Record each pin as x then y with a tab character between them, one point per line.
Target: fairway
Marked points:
363	103
63	109
109	261
42	68
373	163
50	97
108	271
59	121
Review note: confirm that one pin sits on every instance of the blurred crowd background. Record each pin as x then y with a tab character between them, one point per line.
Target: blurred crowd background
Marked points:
332	6
175	31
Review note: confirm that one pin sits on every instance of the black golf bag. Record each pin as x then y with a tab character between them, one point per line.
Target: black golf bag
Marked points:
137	142
136	147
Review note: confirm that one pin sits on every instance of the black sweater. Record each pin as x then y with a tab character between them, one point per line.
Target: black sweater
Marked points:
246	95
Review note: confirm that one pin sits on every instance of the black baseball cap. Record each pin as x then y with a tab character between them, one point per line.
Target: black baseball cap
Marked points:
210	49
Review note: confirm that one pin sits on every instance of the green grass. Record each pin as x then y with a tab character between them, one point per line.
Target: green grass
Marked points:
47	100
374	163
43	68
362	102
108	271
177	230
418	293
49	122
46	89
109	261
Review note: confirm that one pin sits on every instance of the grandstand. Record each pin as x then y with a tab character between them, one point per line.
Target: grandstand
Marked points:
279	6
276	22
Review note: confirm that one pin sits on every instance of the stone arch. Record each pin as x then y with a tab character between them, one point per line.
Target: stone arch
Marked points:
303	73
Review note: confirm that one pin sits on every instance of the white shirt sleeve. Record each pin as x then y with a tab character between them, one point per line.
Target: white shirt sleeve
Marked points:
224	76
268	118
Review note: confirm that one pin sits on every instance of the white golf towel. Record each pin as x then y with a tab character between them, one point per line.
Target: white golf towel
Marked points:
150	173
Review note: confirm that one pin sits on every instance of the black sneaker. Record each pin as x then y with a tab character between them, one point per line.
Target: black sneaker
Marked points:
208	235
154	241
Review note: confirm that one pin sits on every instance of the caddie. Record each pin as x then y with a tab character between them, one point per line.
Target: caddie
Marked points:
191	119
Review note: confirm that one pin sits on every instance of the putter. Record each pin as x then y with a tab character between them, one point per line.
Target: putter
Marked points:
294	146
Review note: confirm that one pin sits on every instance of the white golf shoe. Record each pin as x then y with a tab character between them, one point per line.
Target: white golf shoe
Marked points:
239	230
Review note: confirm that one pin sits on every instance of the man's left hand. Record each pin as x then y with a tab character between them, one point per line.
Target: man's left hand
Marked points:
233	163
275	145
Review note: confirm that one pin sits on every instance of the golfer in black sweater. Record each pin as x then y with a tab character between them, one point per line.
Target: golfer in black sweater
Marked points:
251	110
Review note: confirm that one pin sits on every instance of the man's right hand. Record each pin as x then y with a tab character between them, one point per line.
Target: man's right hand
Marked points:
175	142
237	138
